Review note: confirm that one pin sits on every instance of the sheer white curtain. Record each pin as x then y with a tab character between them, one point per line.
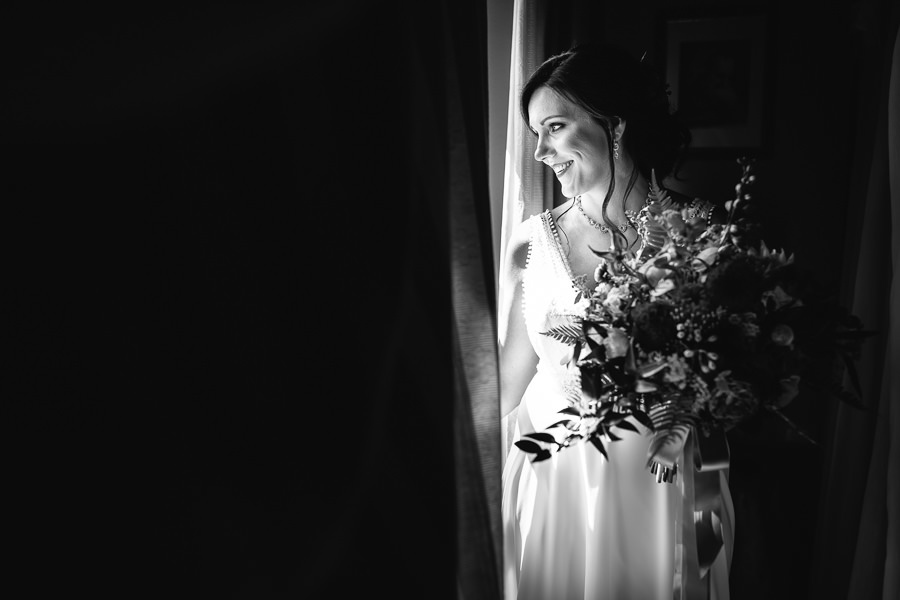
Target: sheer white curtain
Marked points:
527	187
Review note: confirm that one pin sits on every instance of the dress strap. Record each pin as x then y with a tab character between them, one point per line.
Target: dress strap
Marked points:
555	248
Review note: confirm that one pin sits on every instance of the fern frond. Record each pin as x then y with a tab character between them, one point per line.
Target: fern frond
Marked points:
567	334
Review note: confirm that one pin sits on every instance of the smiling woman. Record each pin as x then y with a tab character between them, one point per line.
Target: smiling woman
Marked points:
580	525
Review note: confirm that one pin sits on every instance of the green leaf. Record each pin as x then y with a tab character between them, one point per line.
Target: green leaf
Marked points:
541	437
542	455
567	334
569	410
644	419
599	446
529	446
590	386
577	351
627	426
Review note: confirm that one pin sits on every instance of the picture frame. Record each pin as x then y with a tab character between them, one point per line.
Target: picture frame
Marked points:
719	76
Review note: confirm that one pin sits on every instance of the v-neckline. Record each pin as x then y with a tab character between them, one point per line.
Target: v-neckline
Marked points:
578	283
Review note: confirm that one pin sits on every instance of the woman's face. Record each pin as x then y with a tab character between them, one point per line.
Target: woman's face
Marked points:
571	142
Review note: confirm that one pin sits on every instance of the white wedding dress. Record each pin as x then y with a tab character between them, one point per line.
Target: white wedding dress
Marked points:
578	526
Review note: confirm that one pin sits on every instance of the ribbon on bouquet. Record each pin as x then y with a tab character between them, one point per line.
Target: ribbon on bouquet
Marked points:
701	535
703	512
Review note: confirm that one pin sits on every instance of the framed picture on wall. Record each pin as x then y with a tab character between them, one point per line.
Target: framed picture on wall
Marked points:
717	70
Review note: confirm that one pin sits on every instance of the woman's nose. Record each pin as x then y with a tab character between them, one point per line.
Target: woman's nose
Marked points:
542	150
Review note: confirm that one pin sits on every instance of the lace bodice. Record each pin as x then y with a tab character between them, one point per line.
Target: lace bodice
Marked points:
549	291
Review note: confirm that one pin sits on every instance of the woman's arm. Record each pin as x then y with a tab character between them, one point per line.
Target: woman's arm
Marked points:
517	357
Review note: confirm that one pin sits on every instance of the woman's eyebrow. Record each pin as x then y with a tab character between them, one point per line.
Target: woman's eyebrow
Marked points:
551	117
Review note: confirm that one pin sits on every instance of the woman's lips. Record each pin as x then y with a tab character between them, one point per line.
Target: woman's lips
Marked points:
561	168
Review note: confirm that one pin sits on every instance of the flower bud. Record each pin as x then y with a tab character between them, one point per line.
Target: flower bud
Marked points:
782	335
653	273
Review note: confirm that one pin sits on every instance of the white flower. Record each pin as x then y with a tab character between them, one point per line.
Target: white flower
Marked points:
616	343
677	371
601	291
583	305
616	298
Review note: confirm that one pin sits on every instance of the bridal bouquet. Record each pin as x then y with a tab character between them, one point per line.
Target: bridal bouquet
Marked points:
701	329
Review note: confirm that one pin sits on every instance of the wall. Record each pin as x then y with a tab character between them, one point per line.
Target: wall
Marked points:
802	185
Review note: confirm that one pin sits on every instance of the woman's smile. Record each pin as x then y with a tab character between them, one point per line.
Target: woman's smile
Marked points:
561	168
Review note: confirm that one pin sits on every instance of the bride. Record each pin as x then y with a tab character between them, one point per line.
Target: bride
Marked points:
578	525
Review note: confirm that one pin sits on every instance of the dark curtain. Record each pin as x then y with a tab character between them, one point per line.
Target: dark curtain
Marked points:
450	100
229	299
856	547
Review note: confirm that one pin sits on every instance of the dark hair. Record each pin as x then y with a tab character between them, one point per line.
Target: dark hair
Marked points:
608	82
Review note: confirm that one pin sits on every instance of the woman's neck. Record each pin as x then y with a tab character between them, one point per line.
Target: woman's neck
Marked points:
619	203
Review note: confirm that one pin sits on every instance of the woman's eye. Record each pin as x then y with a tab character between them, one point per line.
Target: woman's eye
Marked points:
554	127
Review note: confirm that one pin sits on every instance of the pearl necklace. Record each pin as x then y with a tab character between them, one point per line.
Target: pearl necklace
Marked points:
603	228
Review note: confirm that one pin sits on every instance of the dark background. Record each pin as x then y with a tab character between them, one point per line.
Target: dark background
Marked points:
226	295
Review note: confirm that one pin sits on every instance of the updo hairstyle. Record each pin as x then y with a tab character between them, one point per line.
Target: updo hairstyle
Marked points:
609	83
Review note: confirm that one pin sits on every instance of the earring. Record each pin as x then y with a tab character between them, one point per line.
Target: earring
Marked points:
616	149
